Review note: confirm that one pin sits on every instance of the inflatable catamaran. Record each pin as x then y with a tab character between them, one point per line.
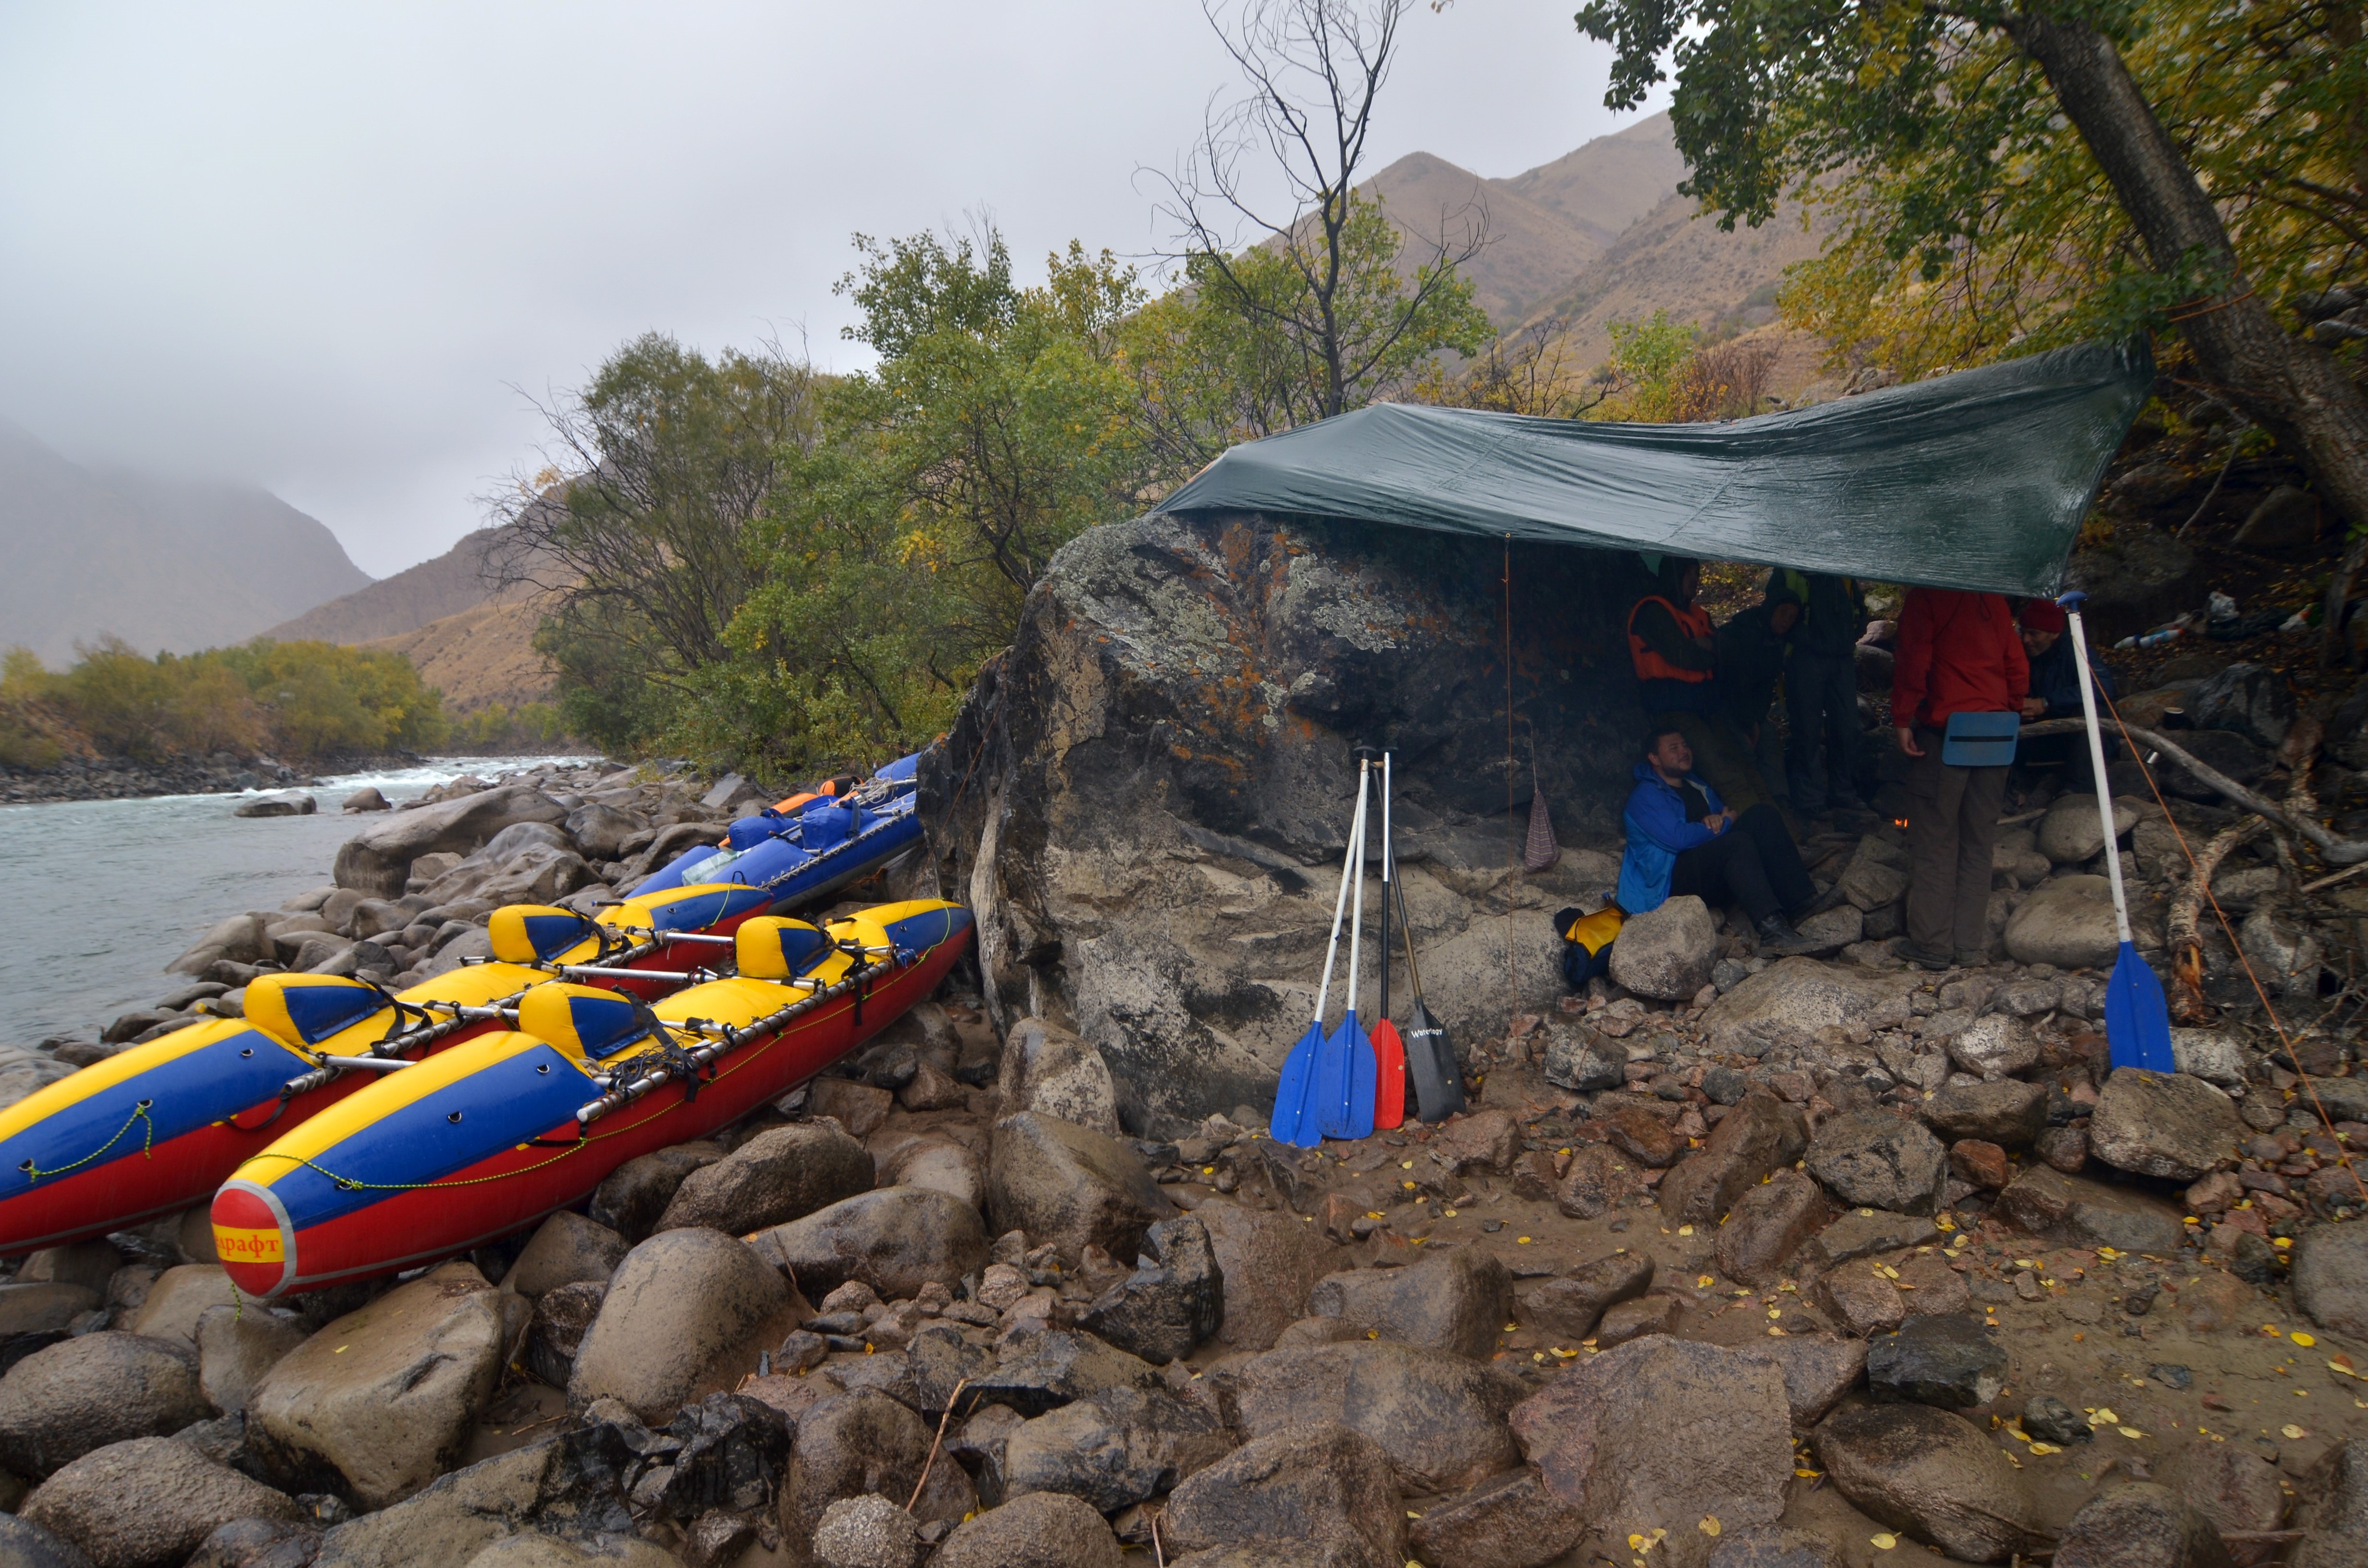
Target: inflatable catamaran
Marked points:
156	1129
810	845
484	1138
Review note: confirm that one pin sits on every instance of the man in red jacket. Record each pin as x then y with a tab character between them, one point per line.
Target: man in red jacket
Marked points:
1957	654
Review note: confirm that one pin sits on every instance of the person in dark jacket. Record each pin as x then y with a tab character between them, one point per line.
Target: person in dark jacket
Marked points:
1674	653
1821	759
1682	838
2056	686
1751	650
1958	654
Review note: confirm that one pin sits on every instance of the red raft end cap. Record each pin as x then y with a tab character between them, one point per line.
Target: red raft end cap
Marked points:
248	1240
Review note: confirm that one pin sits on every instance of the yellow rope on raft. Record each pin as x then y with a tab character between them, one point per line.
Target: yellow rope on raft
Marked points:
138	1113
347	1184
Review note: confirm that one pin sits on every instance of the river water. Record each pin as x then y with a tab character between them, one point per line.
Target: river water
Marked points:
98	896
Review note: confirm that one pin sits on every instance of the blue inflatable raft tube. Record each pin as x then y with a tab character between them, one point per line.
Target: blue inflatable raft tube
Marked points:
799	857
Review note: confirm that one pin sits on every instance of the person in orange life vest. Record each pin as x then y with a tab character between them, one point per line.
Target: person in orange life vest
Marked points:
1683	839
1674	649
1958	652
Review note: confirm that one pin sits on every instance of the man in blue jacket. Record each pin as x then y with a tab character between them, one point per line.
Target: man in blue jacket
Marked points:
1682	839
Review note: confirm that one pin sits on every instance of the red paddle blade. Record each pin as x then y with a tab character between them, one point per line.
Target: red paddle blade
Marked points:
1389	1094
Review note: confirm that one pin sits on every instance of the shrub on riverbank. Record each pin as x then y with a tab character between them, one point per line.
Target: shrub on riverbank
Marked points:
298	701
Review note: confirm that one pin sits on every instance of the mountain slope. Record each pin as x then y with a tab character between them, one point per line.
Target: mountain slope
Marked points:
482	655
1674	259
164	565
411	599
1543	226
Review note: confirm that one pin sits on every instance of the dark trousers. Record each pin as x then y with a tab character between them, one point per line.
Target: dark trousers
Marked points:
1753	863
1951	830
1821	705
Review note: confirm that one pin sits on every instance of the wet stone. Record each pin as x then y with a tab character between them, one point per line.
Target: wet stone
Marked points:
1953	1361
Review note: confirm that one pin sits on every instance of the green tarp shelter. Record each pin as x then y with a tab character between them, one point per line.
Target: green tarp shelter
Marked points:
1976	480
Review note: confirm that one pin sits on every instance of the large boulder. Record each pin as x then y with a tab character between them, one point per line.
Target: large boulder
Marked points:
895	1239
1658	1434
382	1401
2164	1124
1759	1134
1440	1416
2071	832
1310	1483
377	860
1070	1186
1667	952
1513	1520
1456	1301
2330	1279
237	1348
1052	1073
148	1503
23	1544
685	1313
63	1401
2139	1525
2136	581
1570	1306
782	1174
1041	1530
2069	923
1767	1226
1112	1448
2078	1213
2009	1112
633	1196
856	1444
567	1249
456	1518
1173	1300
939	1164
1270	1262
1934	1474
1875	1160
1145	802
2251	700
1791	1002
179	1298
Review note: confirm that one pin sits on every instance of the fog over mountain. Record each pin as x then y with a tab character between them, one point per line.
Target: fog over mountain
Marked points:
316	249
166	564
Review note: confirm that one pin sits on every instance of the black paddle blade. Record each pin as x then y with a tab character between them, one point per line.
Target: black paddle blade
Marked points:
1430	1064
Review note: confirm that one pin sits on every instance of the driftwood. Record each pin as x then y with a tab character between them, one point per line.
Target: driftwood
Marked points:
2336	851
2188	1006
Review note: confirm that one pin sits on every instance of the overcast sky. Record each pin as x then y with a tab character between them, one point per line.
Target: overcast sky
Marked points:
317	247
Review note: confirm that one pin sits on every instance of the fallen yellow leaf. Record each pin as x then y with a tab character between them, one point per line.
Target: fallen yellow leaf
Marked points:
1685	1229
2046	1449
2293	1432
1883	1541
1709	1525
2303	1339
2132	1433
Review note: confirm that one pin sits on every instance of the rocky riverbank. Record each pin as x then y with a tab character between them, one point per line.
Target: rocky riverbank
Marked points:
127	778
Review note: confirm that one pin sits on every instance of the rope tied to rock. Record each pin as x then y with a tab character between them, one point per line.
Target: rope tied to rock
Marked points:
33	1173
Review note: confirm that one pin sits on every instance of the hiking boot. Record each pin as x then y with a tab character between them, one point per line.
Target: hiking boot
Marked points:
1778	936
1924	958
1972	958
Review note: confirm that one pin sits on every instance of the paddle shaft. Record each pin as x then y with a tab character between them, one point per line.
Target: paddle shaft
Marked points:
1340	904
1385	886
1357	859
2097	766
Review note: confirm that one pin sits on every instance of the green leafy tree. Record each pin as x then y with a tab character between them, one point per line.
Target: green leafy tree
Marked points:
639	526
1948	105
999	424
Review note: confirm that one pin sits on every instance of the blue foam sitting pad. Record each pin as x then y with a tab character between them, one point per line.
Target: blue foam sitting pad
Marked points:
1980	740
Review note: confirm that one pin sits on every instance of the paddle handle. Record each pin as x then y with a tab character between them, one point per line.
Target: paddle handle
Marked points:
1340	904
1357	859
2097	767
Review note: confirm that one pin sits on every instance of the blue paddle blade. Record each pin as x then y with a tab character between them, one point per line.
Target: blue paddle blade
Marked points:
1345	1077
2138	1024
1294	1121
